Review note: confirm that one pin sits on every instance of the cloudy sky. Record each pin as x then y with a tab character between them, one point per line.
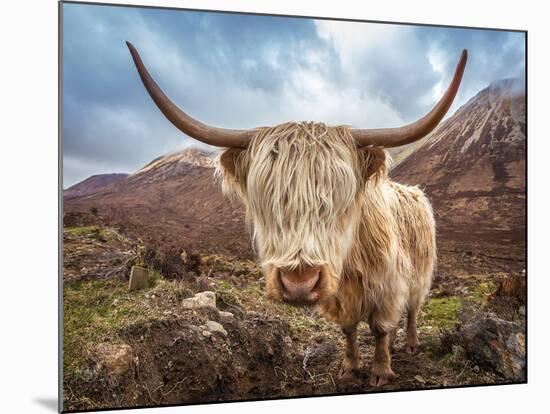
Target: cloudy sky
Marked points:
241	71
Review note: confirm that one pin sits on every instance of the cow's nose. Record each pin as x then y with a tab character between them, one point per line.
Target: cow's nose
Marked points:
301	285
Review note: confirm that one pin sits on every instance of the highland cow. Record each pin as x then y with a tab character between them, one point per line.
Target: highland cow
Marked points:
330	227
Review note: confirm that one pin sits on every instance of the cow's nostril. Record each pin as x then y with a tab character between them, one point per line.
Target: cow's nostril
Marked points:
300	285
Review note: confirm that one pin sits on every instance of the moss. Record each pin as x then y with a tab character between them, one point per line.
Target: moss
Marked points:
442	312
482	292
94	232
305	323
253	290
99	310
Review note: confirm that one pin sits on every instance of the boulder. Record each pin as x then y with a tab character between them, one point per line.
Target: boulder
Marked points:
116	359
200	300
496	344
216	327
226	315
139	278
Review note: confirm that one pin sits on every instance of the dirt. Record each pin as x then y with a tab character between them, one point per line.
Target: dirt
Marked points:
168	355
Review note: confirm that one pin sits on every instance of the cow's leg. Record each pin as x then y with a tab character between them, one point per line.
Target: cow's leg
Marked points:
393	335
412	333
350	365
381	373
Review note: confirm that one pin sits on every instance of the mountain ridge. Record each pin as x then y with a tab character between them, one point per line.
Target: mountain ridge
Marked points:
92	184
472	167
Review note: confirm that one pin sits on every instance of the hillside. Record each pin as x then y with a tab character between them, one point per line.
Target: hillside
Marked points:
473	169
176	199
91	185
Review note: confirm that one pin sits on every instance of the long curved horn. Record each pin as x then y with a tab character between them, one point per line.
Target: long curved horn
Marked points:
219	137
395	137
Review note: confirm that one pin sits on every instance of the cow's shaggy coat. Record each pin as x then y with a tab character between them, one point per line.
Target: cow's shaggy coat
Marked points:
314	198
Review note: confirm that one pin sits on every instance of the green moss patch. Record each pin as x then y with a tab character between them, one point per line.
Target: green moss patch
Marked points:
482	292
94	232
442	312
305	323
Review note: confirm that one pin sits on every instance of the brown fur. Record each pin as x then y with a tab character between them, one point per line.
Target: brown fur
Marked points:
316	199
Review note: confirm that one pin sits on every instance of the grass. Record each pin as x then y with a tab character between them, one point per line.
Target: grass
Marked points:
234	266
252	297
99	310
94	232
454	359
224	285
254	290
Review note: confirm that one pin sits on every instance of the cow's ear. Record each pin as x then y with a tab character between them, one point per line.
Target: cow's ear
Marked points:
228	161
233	169
374	162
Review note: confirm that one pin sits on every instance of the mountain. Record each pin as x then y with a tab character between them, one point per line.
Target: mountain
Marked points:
92	184
176	199
473	169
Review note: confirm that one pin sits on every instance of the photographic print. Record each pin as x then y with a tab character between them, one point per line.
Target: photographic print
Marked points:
261	206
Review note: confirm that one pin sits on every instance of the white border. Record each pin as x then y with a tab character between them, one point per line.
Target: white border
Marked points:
28	169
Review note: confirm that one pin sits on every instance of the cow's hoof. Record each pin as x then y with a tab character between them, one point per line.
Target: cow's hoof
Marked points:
348	374
379	378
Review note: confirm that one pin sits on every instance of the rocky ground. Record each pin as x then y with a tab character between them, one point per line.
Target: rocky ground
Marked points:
203	331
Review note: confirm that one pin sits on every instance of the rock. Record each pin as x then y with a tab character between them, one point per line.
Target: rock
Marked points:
189	303
116	359
200	300
226	315
206	334
139	278
497	344
206	298
420	379
216	327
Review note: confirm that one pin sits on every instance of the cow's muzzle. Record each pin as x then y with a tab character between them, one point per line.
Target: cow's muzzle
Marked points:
302	285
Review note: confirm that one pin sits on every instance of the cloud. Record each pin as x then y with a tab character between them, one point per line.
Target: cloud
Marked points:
241	71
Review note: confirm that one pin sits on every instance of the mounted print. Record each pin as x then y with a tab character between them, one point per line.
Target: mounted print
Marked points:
261	207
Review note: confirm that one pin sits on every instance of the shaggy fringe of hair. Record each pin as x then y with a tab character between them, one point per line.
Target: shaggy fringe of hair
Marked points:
302	217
